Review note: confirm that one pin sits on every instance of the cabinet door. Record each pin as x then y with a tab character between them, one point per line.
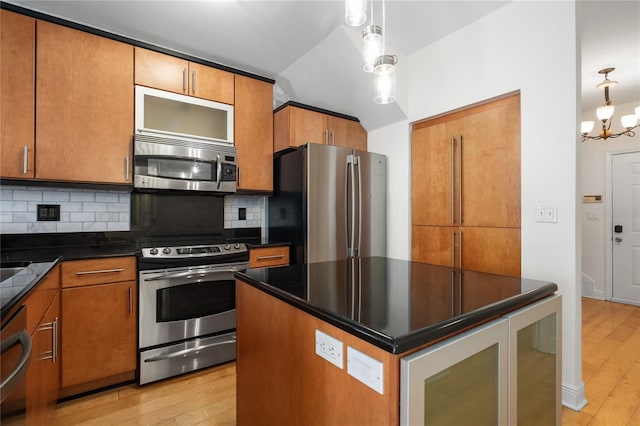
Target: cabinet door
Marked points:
435	245
493	250
84	106
160	71
17	99
490	153
254	134
307	126
44	374
346	133
212	83
433	162
98	332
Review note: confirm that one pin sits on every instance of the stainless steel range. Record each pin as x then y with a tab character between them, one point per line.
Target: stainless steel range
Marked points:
187	312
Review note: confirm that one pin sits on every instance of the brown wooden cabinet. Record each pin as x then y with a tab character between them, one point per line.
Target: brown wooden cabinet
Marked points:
84	106
265	257
295	126
466	188
165	72
99	311
43	319
17	96
254	134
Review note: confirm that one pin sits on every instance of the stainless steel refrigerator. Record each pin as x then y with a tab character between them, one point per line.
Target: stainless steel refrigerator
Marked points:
329	202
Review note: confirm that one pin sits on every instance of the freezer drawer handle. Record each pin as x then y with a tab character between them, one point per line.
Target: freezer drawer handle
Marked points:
188	352
16	375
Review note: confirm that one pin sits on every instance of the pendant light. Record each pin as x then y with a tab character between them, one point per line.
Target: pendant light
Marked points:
384	80
355	12
372	43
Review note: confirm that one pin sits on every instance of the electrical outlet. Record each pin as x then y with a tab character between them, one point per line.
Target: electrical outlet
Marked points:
329	348
242	213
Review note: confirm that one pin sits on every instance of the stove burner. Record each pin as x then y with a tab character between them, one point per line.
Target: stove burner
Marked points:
185	252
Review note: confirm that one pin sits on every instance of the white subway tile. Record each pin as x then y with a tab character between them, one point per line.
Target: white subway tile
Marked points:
239	224
25	195
13	228
124	217
69	227
124	198
55	196
71	207
94	207
106	197
82	217
6	193
118	207
6	217
107	217
24	217
65	216
40	227
82	196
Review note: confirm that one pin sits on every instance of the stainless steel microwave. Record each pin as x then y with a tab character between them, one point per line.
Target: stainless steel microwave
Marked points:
166	114
166	163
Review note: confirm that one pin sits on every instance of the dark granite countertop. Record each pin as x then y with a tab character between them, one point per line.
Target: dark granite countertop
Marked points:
397	305
265	242
14	289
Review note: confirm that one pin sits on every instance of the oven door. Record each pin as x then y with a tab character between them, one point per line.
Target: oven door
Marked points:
182	303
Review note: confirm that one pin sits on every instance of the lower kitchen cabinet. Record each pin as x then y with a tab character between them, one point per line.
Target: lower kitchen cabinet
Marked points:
43	313
99	324
265	257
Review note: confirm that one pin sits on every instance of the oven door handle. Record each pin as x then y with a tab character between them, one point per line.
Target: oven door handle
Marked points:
172	275
187	352
16	375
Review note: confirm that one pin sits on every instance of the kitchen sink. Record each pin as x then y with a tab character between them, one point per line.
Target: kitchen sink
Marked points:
10	269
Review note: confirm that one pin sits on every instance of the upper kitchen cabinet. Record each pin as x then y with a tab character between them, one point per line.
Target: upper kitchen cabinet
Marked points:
254	134
294	125
165	72
84	106
17	79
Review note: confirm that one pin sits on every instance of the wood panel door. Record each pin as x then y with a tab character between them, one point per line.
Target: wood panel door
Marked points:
84	106
492	250
160	71
435	244
213	84
490	164
433	158
346	133
307	126
17	96
98	332
254	134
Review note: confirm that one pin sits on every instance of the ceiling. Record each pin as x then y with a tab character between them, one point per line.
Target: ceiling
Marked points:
315	58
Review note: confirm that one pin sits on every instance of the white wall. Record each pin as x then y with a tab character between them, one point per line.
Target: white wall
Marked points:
531	47
594	215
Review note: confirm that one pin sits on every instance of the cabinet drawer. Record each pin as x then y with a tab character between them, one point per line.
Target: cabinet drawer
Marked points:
263	257
98	271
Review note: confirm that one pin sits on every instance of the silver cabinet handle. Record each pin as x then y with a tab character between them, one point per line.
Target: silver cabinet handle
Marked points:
333	138
193	82
453	181
274	256
127	168
326	136
453	249
15	376
101	271
25	162
190	351
130	301
54	344
460	250
184	80
460	218
53	353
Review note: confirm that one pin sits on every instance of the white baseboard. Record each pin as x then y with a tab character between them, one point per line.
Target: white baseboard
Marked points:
588	288
573	397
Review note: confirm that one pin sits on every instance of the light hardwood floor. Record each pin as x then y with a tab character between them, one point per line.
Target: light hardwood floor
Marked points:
611	372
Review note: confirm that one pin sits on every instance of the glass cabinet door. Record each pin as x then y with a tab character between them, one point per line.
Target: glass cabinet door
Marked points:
461	381
535	364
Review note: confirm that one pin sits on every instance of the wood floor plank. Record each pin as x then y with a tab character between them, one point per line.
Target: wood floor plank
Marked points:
618	408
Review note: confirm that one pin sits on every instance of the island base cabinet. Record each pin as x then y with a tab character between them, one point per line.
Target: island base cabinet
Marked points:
461	381
281	380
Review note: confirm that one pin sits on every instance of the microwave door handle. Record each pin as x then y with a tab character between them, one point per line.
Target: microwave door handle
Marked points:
218	170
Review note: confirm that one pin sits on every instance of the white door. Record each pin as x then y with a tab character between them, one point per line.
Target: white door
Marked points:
626	227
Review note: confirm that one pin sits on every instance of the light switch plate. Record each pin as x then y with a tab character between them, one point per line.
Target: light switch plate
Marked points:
547	214
366	369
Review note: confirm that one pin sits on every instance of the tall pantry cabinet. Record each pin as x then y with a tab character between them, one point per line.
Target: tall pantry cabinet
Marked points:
466	188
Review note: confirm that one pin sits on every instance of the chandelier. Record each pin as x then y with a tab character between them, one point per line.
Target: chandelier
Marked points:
375	59
605	112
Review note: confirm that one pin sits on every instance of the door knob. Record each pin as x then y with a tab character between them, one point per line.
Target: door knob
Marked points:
618	240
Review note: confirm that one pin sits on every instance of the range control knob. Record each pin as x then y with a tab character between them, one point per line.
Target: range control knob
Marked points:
153	251
166	250
236	246
227	247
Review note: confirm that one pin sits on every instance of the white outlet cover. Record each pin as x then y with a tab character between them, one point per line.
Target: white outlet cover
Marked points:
365	369
330	349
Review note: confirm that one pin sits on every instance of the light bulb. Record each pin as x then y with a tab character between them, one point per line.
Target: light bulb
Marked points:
628	121
384	81
371	46
605	112
355	12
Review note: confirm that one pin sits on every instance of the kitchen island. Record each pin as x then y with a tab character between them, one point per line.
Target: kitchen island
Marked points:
343	342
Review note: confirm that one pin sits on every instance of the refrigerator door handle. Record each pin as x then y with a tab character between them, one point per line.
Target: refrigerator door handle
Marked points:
350	200
359	221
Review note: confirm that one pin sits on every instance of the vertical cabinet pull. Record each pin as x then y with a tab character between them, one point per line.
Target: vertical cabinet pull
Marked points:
53	353
453	249
326	136
333	138
127	167
25	160
184	80
193	82
130	301
453	181
460	250
460	218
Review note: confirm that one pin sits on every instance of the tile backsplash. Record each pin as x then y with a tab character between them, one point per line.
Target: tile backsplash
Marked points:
89	210
81	210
